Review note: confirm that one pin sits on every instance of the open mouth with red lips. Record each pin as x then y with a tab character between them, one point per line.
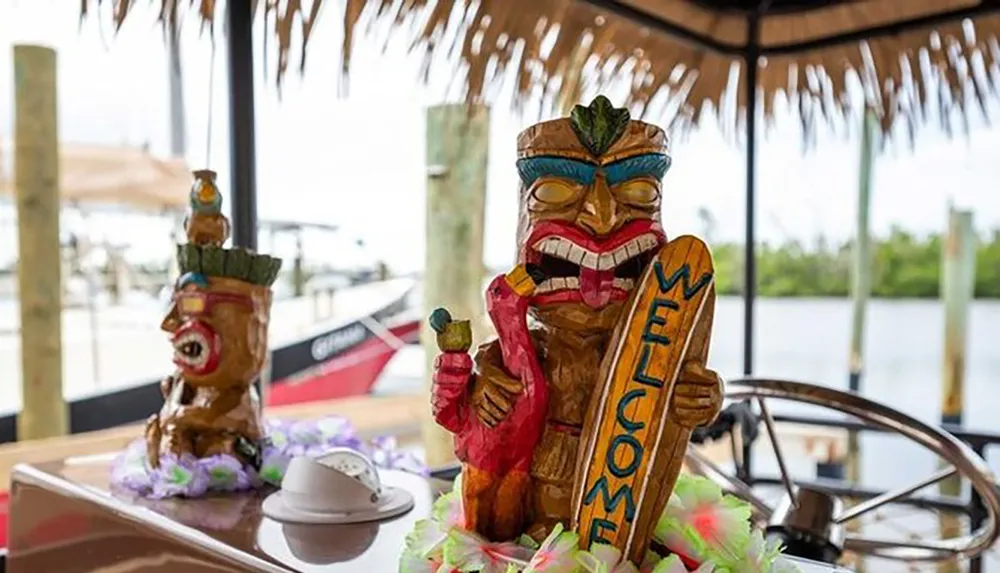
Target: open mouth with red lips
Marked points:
196	347
578	267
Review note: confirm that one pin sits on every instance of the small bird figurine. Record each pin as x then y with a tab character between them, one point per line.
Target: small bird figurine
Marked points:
452	335
206	225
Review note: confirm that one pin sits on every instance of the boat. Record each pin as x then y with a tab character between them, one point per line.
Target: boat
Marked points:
312	358
345	360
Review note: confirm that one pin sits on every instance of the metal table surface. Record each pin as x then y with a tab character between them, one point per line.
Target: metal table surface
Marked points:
65	518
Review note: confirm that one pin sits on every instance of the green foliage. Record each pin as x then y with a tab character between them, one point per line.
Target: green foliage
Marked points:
903	266
599	125
988	267
232	263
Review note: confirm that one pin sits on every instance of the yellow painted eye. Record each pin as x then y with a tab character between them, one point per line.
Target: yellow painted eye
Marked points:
555	192
192	304
640	192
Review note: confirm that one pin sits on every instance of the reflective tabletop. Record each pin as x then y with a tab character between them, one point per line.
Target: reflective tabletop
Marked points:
65	517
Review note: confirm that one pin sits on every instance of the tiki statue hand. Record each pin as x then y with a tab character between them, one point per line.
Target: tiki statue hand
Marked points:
697	396
493	393
452	372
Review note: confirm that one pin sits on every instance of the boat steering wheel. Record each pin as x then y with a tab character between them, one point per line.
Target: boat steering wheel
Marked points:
810	521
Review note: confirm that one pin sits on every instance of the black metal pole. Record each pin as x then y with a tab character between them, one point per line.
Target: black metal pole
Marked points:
750	246
242	148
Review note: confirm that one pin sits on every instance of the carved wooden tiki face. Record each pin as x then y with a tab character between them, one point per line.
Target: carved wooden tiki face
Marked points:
218	328
589	211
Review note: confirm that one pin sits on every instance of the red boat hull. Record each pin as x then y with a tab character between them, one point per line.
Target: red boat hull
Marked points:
352	373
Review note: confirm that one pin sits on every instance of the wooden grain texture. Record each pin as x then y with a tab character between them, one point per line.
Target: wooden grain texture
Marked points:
398	416
631	453
36	179
457	149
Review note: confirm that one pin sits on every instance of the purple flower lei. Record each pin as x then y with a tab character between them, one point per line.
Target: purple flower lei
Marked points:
187	476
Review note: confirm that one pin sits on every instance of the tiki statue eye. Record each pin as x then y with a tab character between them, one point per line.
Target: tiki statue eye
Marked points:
555	192
642	192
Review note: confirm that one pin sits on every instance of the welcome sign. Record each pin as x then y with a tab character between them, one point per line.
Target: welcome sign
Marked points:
631	452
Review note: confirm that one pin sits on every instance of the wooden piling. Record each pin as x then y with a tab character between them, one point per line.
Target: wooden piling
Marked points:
36	181
860	291
457	149
958	279
862	267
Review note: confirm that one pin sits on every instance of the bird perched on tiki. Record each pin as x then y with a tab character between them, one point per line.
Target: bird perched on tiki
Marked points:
206	225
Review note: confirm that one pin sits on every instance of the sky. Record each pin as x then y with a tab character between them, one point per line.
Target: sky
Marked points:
358	161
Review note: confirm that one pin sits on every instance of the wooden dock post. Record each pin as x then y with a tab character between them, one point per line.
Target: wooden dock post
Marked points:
861	273
36	181
860	292
958	279
457	149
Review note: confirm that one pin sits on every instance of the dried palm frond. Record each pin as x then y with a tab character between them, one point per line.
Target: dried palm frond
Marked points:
567	47
284	13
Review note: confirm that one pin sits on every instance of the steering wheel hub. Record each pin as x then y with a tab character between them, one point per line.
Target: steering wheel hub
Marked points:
806	525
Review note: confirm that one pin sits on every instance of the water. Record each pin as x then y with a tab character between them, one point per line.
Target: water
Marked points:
808	340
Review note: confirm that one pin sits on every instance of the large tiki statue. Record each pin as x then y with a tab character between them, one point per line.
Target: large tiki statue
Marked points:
218	323
589	229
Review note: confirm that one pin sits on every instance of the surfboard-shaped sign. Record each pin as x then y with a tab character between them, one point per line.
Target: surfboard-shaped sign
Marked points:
631	451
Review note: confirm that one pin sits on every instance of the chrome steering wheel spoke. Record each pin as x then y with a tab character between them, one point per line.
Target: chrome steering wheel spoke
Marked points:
961	460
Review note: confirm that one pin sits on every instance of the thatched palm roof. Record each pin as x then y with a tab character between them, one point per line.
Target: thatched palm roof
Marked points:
684	50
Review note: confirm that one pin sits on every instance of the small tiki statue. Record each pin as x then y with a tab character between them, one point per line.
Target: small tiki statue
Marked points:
583	418
218	323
